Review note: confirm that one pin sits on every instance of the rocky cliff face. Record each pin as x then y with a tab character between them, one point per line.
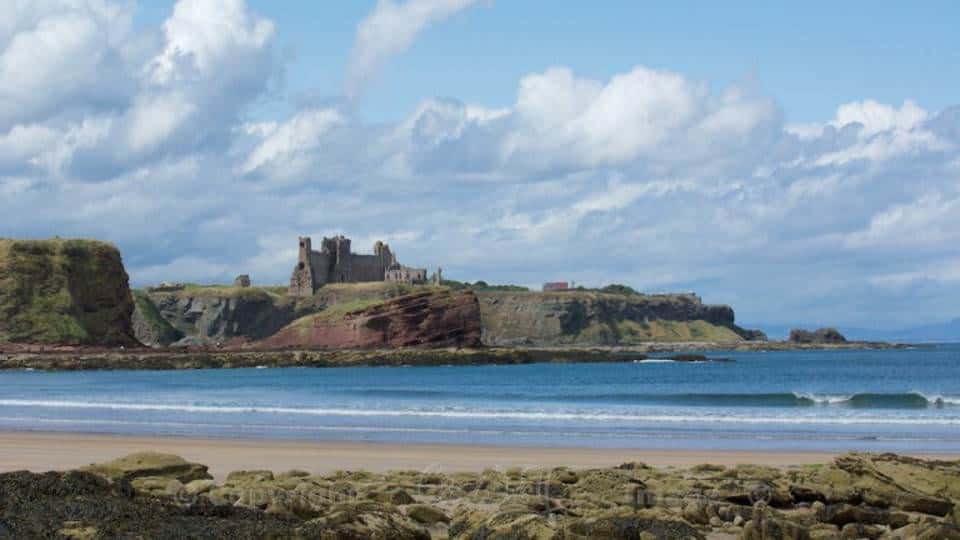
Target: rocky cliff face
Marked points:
348	315
589	318
431	318
65	292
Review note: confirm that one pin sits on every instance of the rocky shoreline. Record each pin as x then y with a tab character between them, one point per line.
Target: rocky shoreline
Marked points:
151	495
80	358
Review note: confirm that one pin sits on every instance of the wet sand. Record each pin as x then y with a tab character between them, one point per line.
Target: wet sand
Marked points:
61	451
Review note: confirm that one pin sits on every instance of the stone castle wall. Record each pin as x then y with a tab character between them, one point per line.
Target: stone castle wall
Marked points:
336	263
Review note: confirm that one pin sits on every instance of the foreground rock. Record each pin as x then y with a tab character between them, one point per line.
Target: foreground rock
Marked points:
162	496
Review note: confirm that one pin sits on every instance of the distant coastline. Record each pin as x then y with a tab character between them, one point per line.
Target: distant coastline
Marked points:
13	357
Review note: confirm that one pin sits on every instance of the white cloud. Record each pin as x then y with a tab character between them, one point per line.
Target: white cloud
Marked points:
929	221
647	177
389	30
287	144
205	35
57	53
153	119
877	117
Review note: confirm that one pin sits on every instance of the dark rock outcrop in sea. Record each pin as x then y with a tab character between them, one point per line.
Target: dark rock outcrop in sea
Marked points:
162	496
821	335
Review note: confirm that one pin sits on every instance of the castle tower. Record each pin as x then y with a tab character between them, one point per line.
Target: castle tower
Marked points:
341	261
305	249
302	282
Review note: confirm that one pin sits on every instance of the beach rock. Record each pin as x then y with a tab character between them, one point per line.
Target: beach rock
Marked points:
765	524
503	525
239	478
547	488
143	464
888	481
392	496
653	524
427	515
198	487
862	530
157	485
365	519
566	476
57	505
696	512
293	473
842	514
823	531
938	531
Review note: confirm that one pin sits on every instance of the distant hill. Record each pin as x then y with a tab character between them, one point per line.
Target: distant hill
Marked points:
931	333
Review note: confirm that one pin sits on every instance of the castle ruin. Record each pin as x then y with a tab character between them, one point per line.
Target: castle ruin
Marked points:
335	263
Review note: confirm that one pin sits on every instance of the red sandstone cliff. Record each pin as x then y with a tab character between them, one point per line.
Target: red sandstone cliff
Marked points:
435	318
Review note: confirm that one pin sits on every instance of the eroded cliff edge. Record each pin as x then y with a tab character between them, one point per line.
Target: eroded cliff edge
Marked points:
593	318
344	315
62	291
429	318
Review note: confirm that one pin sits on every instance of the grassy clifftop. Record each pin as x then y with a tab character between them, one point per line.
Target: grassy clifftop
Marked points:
595	318
64	291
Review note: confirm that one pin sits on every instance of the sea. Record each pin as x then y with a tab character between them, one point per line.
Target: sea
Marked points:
831	400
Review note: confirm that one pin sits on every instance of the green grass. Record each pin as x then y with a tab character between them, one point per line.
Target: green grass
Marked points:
69	291
336	312
633	332
231	291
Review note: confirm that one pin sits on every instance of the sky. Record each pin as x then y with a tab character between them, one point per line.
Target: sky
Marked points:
798	162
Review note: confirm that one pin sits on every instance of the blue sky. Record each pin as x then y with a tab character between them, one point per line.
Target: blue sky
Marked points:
800	162
813	56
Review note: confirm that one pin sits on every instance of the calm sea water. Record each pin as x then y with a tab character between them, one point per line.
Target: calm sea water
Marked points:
876	400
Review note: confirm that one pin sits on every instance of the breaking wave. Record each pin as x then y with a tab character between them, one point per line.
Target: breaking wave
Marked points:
907	400
468	413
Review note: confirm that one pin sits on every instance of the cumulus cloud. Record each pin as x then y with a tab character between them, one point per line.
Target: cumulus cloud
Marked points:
82	97
647	177
60	55
388	31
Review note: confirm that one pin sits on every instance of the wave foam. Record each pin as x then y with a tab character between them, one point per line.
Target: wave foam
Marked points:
724	418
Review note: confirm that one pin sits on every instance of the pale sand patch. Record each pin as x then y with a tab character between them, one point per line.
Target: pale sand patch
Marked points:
61	451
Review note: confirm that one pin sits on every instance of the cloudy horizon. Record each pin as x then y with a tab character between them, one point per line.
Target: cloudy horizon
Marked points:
185	133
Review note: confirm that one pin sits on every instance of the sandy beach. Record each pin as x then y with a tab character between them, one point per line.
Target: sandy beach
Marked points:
58	451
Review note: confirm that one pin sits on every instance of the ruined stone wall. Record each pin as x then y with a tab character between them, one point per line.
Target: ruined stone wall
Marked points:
367	268
335	263
405	274
320	263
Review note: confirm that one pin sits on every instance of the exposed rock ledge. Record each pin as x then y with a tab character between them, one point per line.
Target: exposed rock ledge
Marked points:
65	359
433	318
151	495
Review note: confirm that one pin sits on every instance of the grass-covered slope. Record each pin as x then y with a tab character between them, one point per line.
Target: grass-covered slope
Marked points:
596	318
61	291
